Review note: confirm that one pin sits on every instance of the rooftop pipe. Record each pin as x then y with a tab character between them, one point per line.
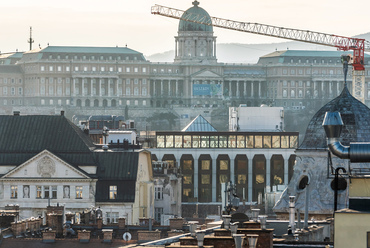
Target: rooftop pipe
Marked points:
355	152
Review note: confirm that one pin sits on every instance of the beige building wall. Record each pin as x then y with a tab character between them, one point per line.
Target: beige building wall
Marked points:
351	229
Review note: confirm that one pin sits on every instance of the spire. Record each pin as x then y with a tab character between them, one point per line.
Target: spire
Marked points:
30	39
196	3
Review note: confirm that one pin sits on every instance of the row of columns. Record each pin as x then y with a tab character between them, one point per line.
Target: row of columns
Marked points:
232	173
166	82
239	84
181	47
110	87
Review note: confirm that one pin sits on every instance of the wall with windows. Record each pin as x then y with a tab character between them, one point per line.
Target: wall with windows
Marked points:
257	162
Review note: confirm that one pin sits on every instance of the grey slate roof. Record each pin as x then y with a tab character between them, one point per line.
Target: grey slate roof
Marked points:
356	119
22	137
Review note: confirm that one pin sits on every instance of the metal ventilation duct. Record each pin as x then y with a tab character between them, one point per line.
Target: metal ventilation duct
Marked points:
355	152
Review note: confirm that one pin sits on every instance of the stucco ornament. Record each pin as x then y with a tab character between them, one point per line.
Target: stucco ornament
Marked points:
46	167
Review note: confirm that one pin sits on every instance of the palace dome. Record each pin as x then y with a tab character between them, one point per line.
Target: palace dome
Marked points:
195	12
355	116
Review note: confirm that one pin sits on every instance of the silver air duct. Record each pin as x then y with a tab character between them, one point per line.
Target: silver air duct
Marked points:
355	152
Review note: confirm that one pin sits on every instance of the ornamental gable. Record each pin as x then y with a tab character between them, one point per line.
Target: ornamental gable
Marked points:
45	165
205	74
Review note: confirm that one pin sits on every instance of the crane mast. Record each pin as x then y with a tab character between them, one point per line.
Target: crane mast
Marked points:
359	46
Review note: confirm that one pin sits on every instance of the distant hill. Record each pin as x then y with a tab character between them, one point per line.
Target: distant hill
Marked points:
250	53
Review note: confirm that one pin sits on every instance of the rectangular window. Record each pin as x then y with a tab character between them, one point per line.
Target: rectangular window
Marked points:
206	164
224	164
112	217
258	141
158	190
206	179
13	191
54	192
78	192
112	192
158	214
20	91
46	192
38	192
13	91
5	91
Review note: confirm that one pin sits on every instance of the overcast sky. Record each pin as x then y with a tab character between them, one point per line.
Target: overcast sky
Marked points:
121	22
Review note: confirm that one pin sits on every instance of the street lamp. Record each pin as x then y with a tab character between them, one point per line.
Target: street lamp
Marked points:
105	134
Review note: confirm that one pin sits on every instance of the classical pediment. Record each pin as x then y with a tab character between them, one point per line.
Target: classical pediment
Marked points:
45	165
206	74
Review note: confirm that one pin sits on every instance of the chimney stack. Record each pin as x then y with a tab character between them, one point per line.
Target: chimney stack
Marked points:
16	113
62	113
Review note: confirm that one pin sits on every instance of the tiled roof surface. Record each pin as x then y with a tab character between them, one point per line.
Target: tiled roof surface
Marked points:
25	136
356	119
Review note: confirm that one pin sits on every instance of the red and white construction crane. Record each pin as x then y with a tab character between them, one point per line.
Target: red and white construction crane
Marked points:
359	46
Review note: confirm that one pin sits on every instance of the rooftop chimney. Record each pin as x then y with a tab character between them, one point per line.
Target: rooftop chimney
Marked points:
16	113
62	113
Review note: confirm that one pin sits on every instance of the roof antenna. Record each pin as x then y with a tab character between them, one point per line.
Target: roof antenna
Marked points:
30	39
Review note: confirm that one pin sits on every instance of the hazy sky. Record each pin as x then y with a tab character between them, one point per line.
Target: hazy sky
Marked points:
121	22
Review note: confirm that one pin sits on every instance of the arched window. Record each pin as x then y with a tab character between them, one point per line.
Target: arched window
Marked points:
292	94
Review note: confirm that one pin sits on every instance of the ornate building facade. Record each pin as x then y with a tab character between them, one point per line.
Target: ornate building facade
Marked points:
106	79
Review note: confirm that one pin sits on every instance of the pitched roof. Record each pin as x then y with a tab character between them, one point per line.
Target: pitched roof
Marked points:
85	49
199	124
22	137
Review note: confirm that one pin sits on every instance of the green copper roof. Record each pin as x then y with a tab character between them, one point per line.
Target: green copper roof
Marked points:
99	50
308	53
195	13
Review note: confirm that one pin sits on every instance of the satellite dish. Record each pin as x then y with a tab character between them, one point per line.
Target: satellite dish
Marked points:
126	236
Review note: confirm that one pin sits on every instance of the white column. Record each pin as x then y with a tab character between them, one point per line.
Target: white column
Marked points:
286	171
177	87
74	87
245	89
338	88
117	91
252	91
92	86
259	89
154	87
109	81
100	82
214	172
196	175
268	174
250	178
230	89
83	86
237	88
161	87
169	87
232	170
